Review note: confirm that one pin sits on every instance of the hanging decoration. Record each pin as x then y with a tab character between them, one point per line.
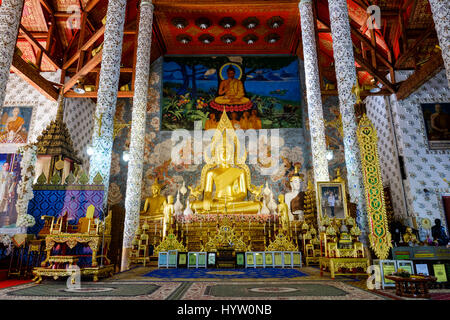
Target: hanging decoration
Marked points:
380	237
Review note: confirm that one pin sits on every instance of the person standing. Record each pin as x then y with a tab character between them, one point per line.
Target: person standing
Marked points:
331	202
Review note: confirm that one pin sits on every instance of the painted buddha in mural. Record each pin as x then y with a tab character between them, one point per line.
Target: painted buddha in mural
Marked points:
225	179
154	205
231	95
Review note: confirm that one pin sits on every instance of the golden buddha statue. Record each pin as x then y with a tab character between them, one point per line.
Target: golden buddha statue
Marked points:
283	212
409	237
154	205
225	179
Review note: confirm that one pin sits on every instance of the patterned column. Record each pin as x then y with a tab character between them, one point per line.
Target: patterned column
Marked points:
441	13
10	14
135	165
102	139
346	79
313	92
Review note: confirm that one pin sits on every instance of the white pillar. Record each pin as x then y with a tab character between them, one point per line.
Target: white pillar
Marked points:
135	164
10	15
441	13
313	92
346	78
100	161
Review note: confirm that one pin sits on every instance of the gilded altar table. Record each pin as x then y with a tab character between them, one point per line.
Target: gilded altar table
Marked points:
72	239
95	272
333	264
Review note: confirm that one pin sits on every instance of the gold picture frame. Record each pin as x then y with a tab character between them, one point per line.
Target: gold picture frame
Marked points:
326	191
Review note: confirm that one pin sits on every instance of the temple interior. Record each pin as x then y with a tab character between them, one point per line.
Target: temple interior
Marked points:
212	149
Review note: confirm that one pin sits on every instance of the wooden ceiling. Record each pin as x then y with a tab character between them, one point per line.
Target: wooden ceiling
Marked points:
68	34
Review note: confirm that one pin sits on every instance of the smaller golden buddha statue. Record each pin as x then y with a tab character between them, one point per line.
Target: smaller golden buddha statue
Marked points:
409	237
154	205
283	212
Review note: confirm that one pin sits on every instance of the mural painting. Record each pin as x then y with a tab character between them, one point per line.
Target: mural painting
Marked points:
257	92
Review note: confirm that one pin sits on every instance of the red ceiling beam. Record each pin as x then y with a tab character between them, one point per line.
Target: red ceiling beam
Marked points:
374	72
91	64
32	76
27	35
422	75
84	47
413	49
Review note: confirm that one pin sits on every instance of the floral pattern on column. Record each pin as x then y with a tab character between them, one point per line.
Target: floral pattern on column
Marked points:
136	162
313	92
346	79
441	12
10	14
100	161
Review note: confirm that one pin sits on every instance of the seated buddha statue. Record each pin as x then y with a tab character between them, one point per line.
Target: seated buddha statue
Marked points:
154	205
225	183
231	93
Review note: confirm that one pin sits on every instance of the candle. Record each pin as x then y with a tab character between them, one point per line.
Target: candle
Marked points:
155	228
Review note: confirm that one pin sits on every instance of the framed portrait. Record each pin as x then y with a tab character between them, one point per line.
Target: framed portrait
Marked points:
436	118
15	125
331	200
10	177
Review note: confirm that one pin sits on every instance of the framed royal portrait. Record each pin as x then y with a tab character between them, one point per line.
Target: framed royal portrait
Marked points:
16	122
331	200
436	119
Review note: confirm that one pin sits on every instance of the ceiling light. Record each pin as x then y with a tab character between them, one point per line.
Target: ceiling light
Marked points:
227	22
180	23
250	23
184	38
275	22
203	23
228	38
250	38
206	38
272	38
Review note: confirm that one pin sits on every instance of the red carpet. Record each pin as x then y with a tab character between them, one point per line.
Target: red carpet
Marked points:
440	296
12	283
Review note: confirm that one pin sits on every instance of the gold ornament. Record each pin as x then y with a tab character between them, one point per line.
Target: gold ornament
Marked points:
380	237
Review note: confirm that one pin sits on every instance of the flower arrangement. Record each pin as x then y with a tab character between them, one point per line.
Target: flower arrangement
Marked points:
25	188
7	243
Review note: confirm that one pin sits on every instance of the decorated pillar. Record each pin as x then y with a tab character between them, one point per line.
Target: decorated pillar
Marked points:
10	15
313	92
441	12
102	139
135	165
346	79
